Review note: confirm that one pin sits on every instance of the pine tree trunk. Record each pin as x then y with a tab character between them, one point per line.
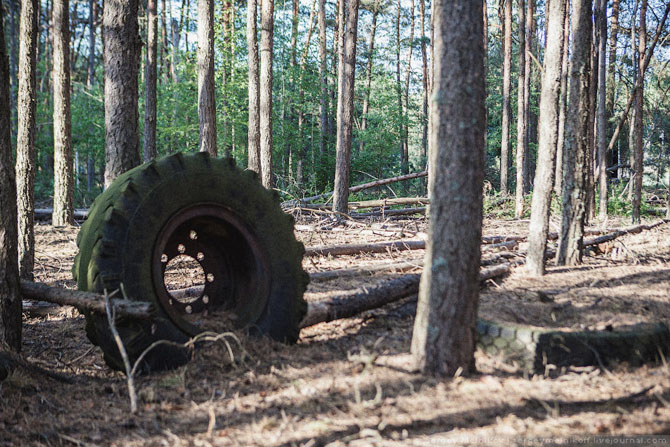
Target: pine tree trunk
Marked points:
444	335
506	106
345	105
323	98
10	295
521	125
25	137
601	20
121	56
174	45
368	72
253	136
302	153
611	73
485	15
150	83
576	137
265	115
165	61
14	13
63	206
401	115
424	79
547	139
528	68
92	17
638	159
632	118
405	121
590	209
563	104
206	100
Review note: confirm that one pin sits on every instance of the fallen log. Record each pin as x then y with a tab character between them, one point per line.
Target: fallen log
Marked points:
45	213
357	188
392	212
84	300
618	233
359	300
389	202
386	267
353	249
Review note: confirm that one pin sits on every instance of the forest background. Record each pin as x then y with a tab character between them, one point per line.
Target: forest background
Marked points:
393	69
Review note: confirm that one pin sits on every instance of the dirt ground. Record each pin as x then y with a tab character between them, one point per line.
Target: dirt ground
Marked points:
350	382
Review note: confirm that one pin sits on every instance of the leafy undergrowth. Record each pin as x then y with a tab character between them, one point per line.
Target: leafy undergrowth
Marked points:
350	382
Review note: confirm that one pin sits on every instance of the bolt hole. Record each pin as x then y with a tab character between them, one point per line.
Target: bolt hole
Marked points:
193	235
164	258
200	256
181	248
210	277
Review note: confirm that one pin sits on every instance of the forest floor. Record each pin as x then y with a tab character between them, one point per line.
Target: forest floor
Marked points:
350	381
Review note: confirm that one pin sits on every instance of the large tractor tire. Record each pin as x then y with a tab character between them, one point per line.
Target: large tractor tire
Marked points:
212	221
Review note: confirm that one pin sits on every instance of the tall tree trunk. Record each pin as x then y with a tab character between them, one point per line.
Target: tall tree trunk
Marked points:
632	120
602	111
335	63
521	125
174	42
25	137
345	105
300	171
121	56
528	68
165	60
150	80
267	28
323	98
563	104
206	101
63	206
611	73
506	106
405	121
547	139
590	209
485	16
92	18
424	79
253	135
638	165
576	137
368	71
444	335
401	115
10	295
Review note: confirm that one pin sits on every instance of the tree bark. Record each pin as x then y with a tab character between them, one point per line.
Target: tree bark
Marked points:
425	82
92	19
206	100
323	98
265	115
638	159
547	139
444	335
563	104
368	72
253	135
590	204
405	121
528	68
302	152
14	13
602	112
506	106
25	137
121	55
165	60
611	73
10	296
345	107
521	125
63	202
576	136
150	80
